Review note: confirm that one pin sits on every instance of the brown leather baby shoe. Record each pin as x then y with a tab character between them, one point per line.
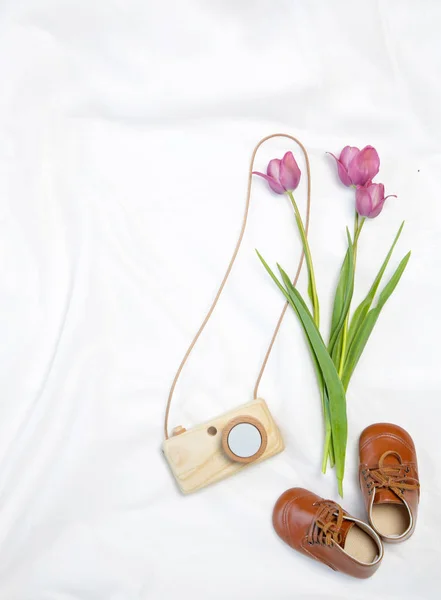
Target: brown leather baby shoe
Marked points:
322	530
389	480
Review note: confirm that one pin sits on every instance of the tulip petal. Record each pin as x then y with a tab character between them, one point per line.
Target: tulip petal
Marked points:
370	200
348	154
274	185
364	166
376	191
342	172
377	210
289	174
363	202
273	169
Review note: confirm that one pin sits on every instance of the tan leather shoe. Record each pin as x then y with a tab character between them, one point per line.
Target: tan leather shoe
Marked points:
322	530
389	480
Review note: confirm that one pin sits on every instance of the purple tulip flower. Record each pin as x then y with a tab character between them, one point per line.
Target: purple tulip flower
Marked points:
282	175
370	199
357	167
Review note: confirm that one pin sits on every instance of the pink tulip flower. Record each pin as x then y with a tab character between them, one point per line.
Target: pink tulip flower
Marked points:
370	199
357	167
282	175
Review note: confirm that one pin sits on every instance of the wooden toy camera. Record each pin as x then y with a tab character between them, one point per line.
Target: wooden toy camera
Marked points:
223	446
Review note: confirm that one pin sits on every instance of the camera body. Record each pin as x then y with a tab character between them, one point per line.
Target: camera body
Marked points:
222	446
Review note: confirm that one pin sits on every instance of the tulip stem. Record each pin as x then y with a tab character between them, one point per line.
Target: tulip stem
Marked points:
358	226
312	288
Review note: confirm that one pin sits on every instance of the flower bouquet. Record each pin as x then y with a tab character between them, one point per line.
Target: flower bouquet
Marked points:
334	362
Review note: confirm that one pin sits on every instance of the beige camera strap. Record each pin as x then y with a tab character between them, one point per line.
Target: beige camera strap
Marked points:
228	271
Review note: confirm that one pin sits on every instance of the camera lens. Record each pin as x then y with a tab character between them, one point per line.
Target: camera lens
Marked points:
244	439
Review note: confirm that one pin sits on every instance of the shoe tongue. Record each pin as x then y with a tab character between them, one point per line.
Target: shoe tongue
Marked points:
384	496
344	530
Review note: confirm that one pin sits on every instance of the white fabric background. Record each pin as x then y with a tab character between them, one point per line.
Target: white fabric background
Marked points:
126	128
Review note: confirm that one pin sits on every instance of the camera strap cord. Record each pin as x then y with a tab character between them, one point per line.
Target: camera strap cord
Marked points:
228	271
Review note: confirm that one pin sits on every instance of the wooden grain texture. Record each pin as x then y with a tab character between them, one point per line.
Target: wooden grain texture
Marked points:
197	459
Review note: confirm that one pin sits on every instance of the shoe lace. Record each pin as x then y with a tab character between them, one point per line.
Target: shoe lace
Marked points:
391	477
326	525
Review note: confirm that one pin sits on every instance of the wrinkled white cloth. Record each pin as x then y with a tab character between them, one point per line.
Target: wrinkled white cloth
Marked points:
126	129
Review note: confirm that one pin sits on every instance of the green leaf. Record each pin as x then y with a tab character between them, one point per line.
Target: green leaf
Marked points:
363	308
345	290
337	350
312	290
365	329
285	292
322	387
328	451
273	277
334	387
339	295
